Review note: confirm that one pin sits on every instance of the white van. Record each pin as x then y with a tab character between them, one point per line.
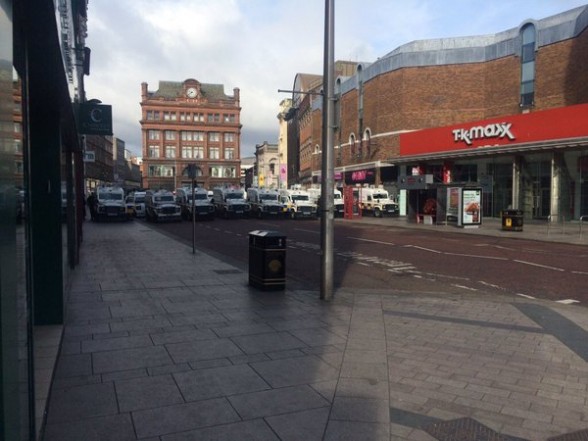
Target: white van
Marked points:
110	203
376	200
161	206
338	205
264	202
203	208
297	203
136	200
230	202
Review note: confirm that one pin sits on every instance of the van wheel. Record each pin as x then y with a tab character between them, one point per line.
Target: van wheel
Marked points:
377	212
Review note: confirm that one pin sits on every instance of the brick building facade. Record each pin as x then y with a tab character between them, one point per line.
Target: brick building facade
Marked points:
468	82
189	122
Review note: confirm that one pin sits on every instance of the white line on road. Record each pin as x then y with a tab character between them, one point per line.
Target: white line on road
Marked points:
446	276
580	272
401	268
525	296
493	246
476	256
567	301
421	248
489	284
370	240
464	287
538	265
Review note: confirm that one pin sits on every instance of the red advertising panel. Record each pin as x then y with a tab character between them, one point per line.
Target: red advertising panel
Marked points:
545	125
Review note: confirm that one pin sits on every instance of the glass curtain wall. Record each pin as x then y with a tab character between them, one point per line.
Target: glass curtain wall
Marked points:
16	377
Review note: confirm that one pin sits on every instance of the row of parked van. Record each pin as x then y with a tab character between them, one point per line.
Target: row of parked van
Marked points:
230	202
226	202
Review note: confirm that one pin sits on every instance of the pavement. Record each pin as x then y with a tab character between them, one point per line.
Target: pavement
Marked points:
163	344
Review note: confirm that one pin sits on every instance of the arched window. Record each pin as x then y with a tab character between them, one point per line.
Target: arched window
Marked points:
367	135
528	38
352	143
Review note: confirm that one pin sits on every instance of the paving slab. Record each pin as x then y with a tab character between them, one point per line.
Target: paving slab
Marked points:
206	357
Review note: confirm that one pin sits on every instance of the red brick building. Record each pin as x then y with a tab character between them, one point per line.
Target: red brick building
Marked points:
190	123
408	113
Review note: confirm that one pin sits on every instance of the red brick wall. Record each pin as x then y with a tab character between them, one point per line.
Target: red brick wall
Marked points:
562	70
432	96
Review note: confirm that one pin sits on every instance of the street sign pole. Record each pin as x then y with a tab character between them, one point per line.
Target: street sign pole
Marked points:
193	217
192	174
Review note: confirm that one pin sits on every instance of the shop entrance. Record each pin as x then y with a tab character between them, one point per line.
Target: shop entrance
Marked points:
541	201
536	187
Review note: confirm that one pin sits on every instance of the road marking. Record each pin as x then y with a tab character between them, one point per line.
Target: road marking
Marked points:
524	295
580	272
464	287
370	240
539	265
490	285
421	248
476	256
445	276
401	268
567	301
493	246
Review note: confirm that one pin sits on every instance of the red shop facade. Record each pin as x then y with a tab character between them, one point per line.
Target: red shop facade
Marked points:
536	162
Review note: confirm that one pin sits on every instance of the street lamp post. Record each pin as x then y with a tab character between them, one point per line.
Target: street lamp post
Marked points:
328	165
327	172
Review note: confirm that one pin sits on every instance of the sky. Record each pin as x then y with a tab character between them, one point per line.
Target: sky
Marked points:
259	46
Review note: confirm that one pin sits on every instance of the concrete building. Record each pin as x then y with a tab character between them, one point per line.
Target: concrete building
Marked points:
504	112
247	171
100	169
267	165
190	123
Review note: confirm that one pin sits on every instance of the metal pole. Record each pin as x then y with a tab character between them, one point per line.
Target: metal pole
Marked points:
193	218
327	172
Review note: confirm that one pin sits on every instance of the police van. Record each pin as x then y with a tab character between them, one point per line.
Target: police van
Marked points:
297	203
264	202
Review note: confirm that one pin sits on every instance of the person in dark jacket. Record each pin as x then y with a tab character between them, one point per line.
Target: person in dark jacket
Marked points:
92	205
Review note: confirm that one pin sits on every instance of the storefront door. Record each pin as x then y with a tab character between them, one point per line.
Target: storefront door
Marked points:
536	186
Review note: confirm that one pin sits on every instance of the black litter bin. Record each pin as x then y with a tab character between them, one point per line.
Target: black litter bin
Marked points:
267	260
512	220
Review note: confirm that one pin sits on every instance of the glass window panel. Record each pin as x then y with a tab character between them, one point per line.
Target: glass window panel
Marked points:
528	71
528	53
527	99
529	34
527	87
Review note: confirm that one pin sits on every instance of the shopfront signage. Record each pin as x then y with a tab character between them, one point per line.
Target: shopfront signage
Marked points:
94	119
495	130
538	126
89	156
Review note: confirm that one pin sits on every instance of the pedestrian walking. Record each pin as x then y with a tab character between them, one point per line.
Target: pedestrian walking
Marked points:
92	205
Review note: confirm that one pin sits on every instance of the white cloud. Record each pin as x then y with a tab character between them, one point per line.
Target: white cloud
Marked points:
260	45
